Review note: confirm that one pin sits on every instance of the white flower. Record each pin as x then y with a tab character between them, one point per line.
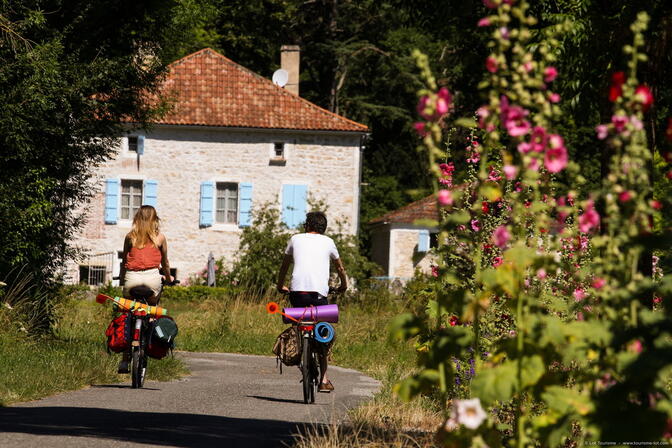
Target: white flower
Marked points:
470	413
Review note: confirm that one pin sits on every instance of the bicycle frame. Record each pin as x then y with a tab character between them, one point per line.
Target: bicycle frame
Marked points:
310	366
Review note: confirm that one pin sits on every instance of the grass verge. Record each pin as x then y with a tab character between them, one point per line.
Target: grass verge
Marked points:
73	357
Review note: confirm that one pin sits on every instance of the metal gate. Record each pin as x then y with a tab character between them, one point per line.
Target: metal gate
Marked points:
96	270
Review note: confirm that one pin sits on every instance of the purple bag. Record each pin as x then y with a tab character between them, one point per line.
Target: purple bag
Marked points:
321	313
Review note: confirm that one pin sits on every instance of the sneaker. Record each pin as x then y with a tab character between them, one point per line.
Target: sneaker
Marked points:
123	367
325	387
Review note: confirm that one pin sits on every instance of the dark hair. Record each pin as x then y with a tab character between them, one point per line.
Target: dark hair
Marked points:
316	222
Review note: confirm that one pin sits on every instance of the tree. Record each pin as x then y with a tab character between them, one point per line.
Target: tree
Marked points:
73	74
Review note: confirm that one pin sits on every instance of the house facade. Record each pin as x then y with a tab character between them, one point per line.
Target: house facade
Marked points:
401	240
232	142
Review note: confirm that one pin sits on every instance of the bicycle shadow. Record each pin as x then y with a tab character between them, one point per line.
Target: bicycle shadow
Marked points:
174	429
119	386
273	399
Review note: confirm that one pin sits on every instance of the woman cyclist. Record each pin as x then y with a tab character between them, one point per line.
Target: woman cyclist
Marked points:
145	256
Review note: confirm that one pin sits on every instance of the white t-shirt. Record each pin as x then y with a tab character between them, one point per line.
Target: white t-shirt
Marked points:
312	253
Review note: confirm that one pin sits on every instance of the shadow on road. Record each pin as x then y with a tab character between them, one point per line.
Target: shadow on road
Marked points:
174	429
118	386
277	400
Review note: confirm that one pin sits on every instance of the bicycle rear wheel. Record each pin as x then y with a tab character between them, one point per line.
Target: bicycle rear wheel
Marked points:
138	368
306	370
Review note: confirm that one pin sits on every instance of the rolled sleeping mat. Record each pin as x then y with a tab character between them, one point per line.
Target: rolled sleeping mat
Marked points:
324	332
321	313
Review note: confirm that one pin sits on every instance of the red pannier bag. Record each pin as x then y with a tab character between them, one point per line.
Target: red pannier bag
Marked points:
119	333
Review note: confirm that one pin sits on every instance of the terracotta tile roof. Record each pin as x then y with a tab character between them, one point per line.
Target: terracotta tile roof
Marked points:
212	90
423	209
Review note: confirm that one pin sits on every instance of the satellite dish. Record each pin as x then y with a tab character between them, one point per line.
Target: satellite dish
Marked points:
280	77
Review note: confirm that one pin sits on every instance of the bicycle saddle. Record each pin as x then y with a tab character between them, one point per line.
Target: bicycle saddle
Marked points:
141	292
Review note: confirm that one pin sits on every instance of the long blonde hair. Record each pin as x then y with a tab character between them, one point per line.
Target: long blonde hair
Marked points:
145	227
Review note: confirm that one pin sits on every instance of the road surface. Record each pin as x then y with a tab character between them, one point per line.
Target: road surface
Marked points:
228	401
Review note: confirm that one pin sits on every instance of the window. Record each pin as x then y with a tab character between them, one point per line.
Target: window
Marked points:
131	198
227	203
92	275
279	150
133	144
433	240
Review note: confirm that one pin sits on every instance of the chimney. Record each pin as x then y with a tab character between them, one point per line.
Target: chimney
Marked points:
289	61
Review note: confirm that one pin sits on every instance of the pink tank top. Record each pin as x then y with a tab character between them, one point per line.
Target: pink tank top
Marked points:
149	257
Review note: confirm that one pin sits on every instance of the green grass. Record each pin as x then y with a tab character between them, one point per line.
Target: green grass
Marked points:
72	358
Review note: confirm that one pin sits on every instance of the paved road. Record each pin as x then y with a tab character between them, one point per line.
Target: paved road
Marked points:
228	401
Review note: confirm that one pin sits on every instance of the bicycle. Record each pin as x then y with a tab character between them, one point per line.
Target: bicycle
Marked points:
310	363
140	324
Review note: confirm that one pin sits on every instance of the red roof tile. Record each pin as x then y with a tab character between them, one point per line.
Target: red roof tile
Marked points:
212	90
423	209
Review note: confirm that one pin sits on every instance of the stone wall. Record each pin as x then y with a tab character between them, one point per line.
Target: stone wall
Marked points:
405	258
181	157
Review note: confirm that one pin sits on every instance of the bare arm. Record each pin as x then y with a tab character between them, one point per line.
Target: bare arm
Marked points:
165	264
122	268
343	277
283	273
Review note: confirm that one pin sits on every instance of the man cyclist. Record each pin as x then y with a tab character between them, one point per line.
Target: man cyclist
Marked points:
311	252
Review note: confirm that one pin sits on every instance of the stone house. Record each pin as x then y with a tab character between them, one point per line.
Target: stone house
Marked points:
401	242
233	141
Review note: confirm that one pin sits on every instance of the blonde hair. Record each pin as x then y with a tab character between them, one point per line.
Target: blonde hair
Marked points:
145	227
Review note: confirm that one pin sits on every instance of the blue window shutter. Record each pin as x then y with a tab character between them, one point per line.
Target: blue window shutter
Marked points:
423	240
111	200
207	203
245	205
141	145
149	192
287	205
300	196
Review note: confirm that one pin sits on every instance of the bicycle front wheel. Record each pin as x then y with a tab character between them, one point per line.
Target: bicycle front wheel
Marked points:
306	370
138	368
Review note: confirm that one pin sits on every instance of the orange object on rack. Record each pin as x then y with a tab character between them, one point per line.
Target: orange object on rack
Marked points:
133	305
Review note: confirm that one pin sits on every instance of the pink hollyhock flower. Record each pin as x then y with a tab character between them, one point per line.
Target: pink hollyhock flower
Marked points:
485	207
510	171
461	227
501	236
454	320
497	262
668	175
524	147
504	32
534	164
599	282
602	131
492	4
619	122
420	128
635	346
616	88
513	118
475	225
554	98
555	158
484	22
443	101
579	294
493	174
435	271
447	169
636	123
541	273
445	197
590	219
539	139
550	73
491	64
624	196
528	66
657	205
483	113
644	96
423	102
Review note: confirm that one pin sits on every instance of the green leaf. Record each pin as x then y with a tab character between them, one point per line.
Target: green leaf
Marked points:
405	326
495	384
567	401
532	369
